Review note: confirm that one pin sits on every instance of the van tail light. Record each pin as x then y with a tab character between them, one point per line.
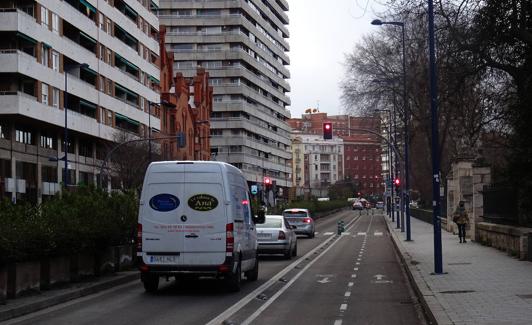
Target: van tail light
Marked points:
139	237
229	238
282	235
307	220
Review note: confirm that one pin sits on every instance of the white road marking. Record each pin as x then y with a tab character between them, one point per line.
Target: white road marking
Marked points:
316	233
338	322
377	234
350	284
240	304
346	233
347	294
357	263
359	259
328	233
361	234
343	306
353	275
356	269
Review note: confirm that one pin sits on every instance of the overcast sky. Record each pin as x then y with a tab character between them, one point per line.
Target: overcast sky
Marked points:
321	32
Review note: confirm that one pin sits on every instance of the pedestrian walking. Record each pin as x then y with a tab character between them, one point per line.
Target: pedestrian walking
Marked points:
461	219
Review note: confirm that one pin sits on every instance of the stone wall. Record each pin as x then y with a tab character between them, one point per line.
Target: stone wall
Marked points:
512	240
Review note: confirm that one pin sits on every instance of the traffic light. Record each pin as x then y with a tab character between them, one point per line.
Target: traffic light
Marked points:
397	182
267	182
327	130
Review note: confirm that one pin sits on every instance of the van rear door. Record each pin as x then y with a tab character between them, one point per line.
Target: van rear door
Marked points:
162	206
206	215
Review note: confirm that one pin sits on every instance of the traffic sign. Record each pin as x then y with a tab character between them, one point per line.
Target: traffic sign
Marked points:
254	189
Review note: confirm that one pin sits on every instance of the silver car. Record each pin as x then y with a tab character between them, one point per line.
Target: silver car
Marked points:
276	236
302	220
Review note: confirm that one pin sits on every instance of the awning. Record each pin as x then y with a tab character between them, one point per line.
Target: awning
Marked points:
153	79
127	91
26	37
87	37
126	119
129	64
88	5
89	70
85	103
126	34
131	11
48	46
153	6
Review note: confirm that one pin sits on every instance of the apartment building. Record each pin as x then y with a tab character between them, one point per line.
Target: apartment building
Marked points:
99	59
362	147
243	46
317	163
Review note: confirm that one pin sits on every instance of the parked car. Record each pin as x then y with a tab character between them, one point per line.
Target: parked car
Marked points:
195	219
358	206
379	205
301	219
277	236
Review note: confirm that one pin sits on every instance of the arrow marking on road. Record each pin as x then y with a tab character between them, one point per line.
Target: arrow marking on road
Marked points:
379	276
324	280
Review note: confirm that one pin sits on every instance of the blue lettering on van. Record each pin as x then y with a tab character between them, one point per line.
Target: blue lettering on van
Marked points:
164	202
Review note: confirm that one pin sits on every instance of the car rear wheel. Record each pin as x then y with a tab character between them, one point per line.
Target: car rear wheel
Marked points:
151	282
253	274
233	281
311	235
288	253
294	251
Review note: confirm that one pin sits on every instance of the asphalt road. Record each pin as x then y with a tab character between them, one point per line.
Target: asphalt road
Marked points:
324	285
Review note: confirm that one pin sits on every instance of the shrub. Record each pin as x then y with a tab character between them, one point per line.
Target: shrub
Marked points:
86	219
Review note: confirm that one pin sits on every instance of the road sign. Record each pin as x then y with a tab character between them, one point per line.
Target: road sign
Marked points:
254	189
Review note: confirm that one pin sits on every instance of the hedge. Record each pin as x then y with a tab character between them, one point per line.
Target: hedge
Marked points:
85	220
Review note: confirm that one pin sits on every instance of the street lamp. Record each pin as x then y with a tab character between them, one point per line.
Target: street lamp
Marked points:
66	69
406	116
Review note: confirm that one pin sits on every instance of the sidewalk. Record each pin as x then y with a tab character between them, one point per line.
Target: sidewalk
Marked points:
29	304
482	285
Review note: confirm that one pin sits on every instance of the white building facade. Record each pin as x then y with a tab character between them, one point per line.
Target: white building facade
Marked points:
243	45
97	58
317	163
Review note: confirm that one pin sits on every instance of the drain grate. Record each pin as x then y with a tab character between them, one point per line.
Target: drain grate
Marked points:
525	296
459	263
456	291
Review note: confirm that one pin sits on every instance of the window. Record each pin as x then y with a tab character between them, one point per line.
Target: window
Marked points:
23	136
101	52
101	21
48	142
44	55
55	97
55	61
4	131
44	16
55	23
108	28
44	93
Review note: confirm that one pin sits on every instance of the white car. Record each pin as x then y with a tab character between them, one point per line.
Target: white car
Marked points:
195	219
277	236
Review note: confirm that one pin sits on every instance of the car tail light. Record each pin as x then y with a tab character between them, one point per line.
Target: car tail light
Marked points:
282	235
139	237
229	238
307	220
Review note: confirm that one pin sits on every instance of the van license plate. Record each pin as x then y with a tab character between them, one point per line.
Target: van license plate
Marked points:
164	259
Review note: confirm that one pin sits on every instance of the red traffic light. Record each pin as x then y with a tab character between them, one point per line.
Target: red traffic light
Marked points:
397	182
327	130
267	181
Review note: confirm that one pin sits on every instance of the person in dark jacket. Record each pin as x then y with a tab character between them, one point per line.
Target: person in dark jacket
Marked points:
461	219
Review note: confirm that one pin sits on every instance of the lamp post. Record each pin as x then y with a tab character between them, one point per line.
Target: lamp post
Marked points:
66	69
436	210
406	115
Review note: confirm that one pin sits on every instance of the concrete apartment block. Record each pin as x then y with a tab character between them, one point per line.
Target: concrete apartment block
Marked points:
243	46
98	58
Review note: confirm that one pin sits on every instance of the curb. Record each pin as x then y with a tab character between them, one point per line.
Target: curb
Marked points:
17	311
422	294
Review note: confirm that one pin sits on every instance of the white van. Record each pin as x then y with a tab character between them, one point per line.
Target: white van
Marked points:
195	219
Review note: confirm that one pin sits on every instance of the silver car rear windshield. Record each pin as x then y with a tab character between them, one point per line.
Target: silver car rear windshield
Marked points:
295	214
271	223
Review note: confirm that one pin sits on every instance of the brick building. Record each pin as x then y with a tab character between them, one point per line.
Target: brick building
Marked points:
361	150
186	108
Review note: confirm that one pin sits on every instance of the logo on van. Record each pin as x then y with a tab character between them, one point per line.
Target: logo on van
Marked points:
164	202
203	202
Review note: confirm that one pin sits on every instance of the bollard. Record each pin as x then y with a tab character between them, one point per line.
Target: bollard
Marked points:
341	227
